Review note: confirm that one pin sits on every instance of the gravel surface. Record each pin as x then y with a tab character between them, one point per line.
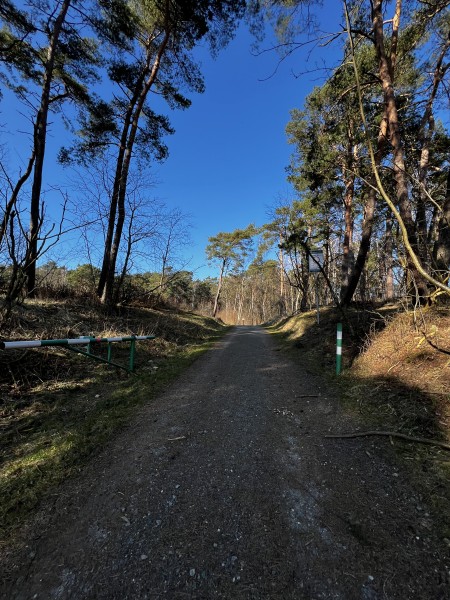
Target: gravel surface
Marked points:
225	488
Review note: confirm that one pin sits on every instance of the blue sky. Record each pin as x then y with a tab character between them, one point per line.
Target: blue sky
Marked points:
228	157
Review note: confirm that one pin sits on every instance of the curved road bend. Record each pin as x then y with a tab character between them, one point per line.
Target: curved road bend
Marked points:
225	488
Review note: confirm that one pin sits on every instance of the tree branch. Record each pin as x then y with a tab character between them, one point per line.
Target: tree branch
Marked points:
403	436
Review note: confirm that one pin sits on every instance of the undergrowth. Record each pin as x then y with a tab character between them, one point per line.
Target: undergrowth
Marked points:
59	409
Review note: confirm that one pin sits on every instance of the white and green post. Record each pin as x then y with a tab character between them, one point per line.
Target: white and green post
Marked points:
339	349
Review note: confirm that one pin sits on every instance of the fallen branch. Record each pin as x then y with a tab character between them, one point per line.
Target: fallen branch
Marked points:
434	345
402	436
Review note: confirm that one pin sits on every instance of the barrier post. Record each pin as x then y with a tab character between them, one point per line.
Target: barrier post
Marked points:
339	349
132	352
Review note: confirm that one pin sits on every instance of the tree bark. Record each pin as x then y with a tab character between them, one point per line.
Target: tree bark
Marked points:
419	287
426	131
122	171
348	171
219	289
388	259
441	250
39	141
369	213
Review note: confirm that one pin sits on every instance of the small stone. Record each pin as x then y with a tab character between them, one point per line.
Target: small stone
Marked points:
395	474
370	578
192	572
144	556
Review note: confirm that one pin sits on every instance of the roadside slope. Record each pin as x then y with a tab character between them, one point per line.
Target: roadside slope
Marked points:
57	409
395	379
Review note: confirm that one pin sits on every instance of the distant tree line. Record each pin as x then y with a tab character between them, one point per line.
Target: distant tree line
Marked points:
180	289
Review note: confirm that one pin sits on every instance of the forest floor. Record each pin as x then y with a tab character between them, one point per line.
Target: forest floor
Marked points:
226	486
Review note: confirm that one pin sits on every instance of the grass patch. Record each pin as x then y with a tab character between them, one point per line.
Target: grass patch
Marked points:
58	409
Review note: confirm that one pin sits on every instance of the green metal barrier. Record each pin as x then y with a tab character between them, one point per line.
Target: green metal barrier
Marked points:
87	341
339	349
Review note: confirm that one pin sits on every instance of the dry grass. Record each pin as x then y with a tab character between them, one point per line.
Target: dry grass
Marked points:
403	350
400	358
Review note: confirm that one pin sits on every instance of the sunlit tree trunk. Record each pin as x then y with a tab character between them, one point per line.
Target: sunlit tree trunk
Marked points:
399	164
39	142
219	288
388	259
128	137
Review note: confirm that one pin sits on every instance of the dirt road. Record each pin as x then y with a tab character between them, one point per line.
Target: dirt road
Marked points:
226	488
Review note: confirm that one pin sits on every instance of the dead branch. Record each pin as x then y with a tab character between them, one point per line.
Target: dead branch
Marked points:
434	345
403	436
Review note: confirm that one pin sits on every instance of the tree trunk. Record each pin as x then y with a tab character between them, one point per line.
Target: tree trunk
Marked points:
441	250
349	182
305	284
39	141
112	244
388	259
127	257
426	131
113	205
419	287
367	224
219	289
282	282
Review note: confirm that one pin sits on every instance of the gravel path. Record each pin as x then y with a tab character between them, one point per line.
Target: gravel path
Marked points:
226	488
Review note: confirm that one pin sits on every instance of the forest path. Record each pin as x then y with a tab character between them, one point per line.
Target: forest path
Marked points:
225	487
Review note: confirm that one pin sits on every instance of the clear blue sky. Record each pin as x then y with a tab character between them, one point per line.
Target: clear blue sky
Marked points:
228	157
229	154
